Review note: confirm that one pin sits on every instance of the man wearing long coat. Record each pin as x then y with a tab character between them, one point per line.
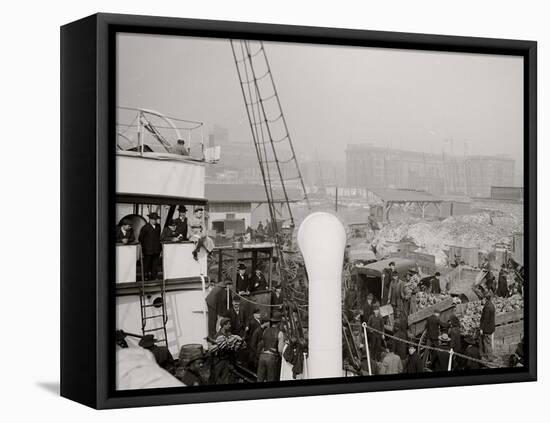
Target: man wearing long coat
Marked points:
376	322
502	288
181	223
149	238
487	326
386	282
216	303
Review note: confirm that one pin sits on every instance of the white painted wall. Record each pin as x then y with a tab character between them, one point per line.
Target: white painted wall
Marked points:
174	178
187	321
126	256
178	261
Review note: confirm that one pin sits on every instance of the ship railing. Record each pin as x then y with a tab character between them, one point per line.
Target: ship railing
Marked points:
151	133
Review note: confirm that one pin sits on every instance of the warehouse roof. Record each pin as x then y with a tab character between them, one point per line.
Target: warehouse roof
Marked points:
247	193
405	196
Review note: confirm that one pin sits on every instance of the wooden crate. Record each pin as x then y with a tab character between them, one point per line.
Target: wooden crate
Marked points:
428	311
510	317
509	325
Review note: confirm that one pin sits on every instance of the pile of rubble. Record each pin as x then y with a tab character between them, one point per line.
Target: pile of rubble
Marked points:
480	230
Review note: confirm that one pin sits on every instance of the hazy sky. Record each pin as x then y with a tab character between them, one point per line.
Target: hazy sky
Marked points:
333	95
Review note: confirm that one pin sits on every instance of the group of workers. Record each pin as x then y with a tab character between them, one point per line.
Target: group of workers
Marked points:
240	337
234	313
397	351
151	237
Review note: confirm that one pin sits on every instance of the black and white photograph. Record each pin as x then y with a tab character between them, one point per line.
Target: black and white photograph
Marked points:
293	211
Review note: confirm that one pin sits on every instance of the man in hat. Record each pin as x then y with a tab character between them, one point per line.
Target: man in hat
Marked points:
197	231
368	308
169	233
405	299
125	233
271	347
181	223
253	324
454	334
242	281
435	284
440	361
391	363
399	344
395	292
502	289
253	335
258	281
180	148
433	326
472	350
277	297
487	326
238	322
191	368
224	354
376	328
413	362
216	303
386	281
260	231
489	279
149	238
162	354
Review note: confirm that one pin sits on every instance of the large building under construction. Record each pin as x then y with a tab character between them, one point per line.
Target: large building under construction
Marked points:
373	167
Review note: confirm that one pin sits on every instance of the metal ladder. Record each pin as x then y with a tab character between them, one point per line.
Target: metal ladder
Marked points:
145	292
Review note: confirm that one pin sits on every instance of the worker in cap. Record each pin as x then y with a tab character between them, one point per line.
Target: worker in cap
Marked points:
502	285
182	223
149	238
170	232
375	324
368	308
391	363
413	363
487	326
472	350
433	328
273	345
125	232
386	281
277	297
394	295
440	357
191	369
258	281
435	284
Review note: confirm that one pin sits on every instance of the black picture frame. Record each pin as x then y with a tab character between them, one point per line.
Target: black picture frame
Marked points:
87	195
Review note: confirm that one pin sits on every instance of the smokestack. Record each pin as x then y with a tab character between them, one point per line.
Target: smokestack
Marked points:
322	239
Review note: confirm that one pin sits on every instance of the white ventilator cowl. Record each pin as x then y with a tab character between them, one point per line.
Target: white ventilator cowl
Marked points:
322	240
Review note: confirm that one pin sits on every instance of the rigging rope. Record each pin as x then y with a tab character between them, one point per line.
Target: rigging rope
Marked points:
416	345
